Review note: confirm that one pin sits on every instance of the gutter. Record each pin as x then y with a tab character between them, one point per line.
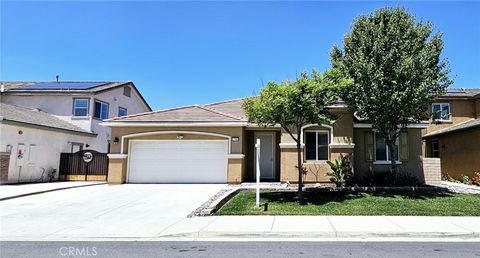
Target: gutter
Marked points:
50	127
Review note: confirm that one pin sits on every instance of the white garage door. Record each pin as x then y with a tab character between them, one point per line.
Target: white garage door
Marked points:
172	161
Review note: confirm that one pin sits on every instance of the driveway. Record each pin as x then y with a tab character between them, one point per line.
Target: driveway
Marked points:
131	210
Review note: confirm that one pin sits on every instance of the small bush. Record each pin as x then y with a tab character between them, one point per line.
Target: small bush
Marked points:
476	179
466	180
341	171
387	179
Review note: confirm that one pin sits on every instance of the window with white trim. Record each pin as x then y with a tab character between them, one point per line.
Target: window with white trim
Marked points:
382	151
122	111
80	107
316	145
441	112
101	110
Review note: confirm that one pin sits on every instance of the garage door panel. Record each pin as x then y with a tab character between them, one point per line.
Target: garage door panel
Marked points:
183	161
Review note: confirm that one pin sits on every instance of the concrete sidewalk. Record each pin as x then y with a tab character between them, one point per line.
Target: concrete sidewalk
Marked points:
313	228
20	190
327	227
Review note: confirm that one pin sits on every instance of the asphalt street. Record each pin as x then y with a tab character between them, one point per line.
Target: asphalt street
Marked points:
239	249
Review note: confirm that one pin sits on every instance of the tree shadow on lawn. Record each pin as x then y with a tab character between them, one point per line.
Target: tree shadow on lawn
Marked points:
321	198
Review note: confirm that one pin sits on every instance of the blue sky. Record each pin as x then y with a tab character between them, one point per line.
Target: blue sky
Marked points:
181	53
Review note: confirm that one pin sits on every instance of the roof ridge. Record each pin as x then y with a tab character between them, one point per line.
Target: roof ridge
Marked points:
148	113
224	101
220	112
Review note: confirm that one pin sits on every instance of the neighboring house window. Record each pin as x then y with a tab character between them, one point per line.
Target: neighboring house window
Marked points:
316	145
101	110
80	107
122	111
76	146
441	112
382	152
435	149
127	91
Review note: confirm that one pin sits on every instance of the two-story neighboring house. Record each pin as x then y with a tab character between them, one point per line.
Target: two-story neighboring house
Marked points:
84	104
454	132
41	120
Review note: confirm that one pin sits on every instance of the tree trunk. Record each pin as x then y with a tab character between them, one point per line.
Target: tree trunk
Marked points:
300	171
393	158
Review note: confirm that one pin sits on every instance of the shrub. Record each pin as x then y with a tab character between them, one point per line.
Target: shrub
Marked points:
466	180
447	177
476	179
341	171
387	179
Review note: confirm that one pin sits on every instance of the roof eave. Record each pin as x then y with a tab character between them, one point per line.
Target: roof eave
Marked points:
50	127
170	124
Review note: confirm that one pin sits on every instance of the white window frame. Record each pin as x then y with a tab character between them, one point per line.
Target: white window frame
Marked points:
126	111
316	145
441	118
385	162
102	103
74	106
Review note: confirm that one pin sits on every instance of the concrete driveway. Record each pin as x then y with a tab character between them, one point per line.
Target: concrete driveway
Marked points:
132	210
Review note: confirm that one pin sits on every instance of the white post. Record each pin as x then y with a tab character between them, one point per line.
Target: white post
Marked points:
257	153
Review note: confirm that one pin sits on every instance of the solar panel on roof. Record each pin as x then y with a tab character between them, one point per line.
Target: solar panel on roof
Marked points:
63	85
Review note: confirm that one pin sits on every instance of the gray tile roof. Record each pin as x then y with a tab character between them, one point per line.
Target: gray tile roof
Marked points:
462	126
18	86
37	117
233	107
462	93
194	113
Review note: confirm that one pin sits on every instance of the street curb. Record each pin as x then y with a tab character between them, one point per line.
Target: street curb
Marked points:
46	191
325	235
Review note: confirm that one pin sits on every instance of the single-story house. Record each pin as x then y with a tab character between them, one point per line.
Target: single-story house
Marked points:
214	143
31	142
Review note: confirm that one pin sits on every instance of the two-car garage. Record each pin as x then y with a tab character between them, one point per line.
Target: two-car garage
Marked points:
177	161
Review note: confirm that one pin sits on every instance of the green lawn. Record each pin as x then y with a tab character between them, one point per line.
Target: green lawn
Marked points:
317	203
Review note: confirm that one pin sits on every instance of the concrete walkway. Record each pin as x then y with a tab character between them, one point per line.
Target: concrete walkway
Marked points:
20	190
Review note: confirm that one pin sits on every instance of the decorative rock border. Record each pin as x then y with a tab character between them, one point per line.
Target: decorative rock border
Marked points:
460	188
215	202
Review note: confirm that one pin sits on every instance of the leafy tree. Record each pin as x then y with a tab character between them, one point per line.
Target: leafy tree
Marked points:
396	68
293	104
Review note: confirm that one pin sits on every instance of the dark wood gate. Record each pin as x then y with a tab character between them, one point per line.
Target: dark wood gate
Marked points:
84	165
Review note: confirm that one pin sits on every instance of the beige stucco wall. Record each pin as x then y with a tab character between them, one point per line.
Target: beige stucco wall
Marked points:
460	152
342	128
477	108
461	110
48	144
235	168
412	167
117	170
236	147
236	171
316	170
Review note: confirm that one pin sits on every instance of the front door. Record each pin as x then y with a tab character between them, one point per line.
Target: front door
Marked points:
267	155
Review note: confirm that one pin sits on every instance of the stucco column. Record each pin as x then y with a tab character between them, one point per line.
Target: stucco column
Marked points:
235	174
117	168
